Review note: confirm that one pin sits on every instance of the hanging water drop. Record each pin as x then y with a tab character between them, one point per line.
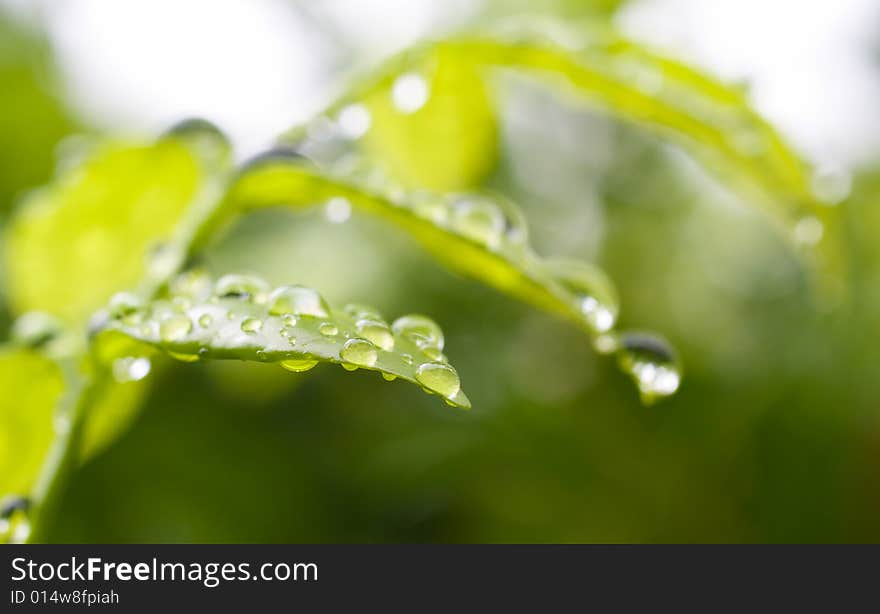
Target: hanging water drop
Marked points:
175	328
376	332
439	377
359	352
388	377
251	325
298	365
298	300
652	363
245	287
184	357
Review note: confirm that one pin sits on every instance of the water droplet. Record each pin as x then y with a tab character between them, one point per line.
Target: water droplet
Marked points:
328	330
652	363
362	312
376	332
298	365
163	260
832	184
337	210
349	367
424	331
438	377
288	320
251	325
193	285
35	329
298	300
175	328
479	220
407	359
354	121
131	369
359	352
410	92
205	320
593	293
431	207
124	304
388	377
246	287
808	231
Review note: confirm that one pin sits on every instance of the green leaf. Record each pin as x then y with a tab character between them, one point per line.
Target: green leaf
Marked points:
32	384
242	318
90	233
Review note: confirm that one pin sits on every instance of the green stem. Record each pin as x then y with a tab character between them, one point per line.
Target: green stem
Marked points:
64	452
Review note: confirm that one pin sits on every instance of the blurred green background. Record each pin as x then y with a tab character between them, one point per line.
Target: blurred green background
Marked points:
773	436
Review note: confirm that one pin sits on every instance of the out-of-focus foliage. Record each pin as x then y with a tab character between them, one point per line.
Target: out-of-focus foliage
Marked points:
89	234
32	119
31	385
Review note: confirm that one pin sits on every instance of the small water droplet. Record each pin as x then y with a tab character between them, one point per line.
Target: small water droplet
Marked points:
439	377
205	320
376	332
337	210
123	304
349	367
832	184
298	300
410	92
808	231
407	359
131	369
421	329
479	220
359	352
328	330
388	377
288	320
354	121
593	293
175	328
245	287
652	363
298	365
251	325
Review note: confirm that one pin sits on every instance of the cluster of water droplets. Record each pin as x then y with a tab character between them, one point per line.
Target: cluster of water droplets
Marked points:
291	324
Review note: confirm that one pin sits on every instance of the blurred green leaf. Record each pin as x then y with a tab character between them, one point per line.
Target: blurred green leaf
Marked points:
91	232
32	385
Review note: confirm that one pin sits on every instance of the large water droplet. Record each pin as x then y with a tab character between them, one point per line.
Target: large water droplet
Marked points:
376	332
175	328
479	220
298	365
439	377
251	325
246	287
131	368
410	92
359	352
298	300
652	363
421	329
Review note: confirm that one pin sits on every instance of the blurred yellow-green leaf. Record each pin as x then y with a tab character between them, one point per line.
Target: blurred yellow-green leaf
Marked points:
74	243
32	385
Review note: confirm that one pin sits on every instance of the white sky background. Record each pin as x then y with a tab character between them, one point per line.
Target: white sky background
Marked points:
256	67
